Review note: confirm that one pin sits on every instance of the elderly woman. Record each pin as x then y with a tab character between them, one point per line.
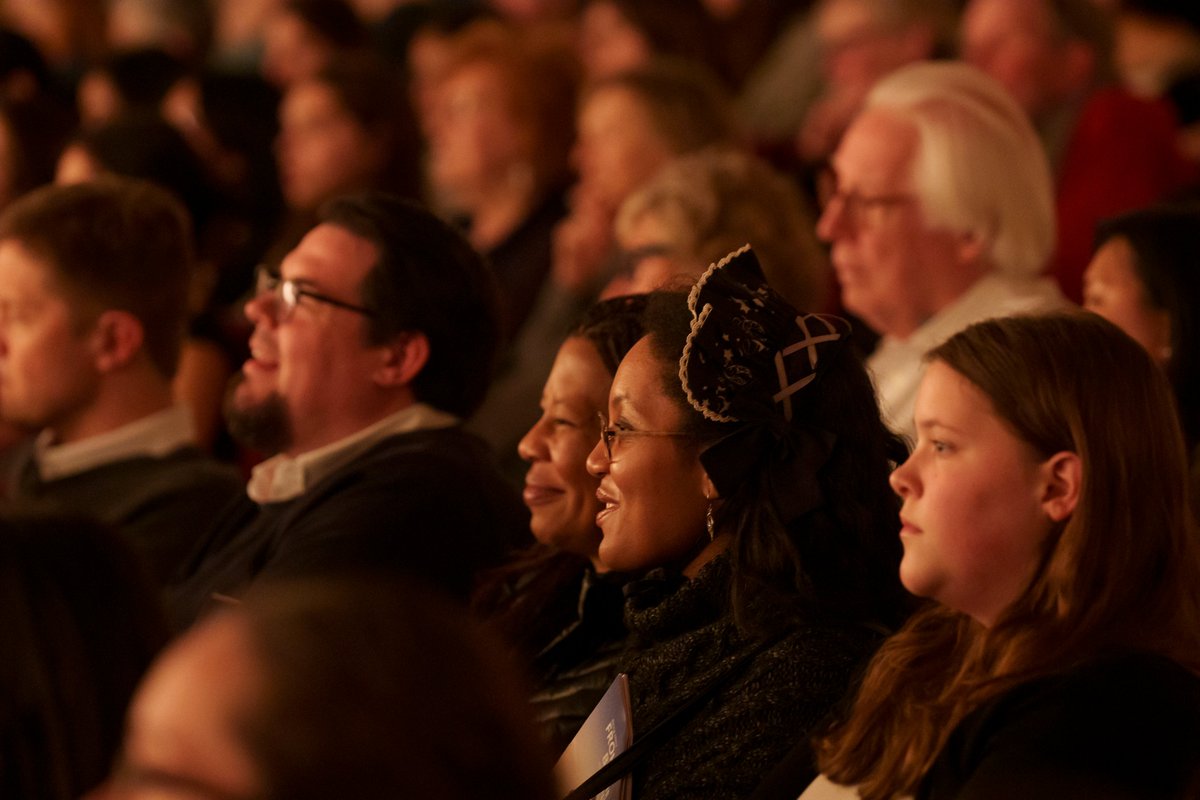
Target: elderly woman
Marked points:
743	460
555	601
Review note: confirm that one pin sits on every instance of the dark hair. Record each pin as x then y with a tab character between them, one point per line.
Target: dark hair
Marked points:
612	326
37	129
143	145
687	105
334	21
142	76
427	279
116	243
677	29
1122	572
371	92
79	624
842	558
19	55
1166	254
417	702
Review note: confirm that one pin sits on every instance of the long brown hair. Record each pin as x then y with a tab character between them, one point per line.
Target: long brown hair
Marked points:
1123	571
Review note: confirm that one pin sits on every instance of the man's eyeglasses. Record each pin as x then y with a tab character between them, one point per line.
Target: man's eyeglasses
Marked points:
610	435
287	294
857	208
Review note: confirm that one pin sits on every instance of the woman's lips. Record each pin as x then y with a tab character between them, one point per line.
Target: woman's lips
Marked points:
609	506
538	494
908	528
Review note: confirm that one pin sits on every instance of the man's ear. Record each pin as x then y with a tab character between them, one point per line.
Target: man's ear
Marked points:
403	358
117	338
1062	476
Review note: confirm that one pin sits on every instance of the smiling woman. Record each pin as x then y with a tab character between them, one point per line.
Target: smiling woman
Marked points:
555	601
744	465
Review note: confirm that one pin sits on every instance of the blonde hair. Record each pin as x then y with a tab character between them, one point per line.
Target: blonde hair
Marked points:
715	200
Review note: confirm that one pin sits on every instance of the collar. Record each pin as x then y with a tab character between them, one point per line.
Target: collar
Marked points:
155	436
284	477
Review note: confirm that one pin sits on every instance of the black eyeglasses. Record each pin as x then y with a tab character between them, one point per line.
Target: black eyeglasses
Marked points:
610	435
287	294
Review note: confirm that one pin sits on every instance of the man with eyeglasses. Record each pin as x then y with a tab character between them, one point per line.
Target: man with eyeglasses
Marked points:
93	296
940	211
370	345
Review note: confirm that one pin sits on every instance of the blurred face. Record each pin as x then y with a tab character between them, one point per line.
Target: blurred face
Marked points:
648	261
856	49
1011	40
886	257
182	740
97	99
1112	289
560	493
608	42
314	368
322	150
653	486
475	141
291	50
973	521
48	374
617	146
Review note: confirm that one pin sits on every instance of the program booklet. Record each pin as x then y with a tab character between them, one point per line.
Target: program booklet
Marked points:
607	733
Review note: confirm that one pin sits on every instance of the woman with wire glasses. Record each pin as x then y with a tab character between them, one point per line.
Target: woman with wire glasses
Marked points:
743	462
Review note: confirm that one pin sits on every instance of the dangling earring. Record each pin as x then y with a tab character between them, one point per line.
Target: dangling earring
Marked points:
708	519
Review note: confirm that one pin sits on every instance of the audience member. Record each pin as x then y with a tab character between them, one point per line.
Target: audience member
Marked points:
861	41
93	292
79	624
743	460
499	138
617	36
1110	152
346	129
940	212
32	133
555	600
336	688
703	205
369	346
1143	279
1060	657
300	38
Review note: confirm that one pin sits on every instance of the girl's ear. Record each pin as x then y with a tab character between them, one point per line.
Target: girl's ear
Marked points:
1062	475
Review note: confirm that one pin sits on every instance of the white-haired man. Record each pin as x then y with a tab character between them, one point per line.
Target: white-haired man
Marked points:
940	210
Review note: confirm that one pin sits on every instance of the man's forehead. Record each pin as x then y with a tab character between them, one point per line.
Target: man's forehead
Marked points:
330	252
877	147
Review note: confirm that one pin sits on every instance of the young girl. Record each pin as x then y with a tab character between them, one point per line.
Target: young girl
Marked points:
1045	510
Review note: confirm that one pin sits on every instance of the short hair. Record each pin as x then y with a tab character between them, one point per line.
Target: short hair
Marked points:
79	624
717	199
979	168
1166	251
686	103
420	701
114	243
427	279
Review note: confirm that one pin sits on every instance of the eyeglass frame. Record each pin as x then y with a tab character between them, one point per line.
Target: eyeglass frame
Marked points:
855	205
608	434
287	294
